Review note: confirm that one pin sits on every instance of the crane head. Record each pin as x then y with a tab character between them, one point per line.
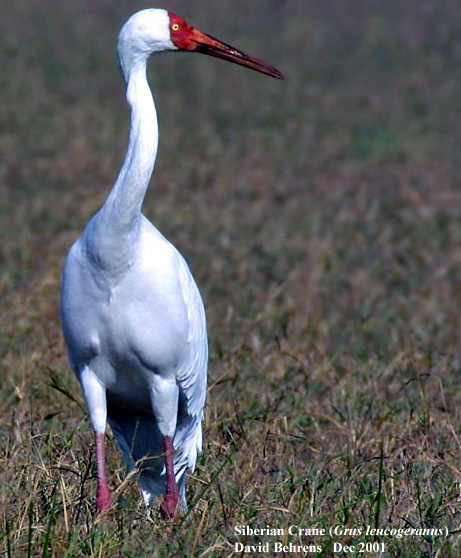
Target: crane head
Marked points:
154	30
189	39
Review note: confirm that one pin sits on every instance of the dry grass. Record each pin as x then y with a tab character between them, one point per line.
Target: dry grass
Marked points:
322	219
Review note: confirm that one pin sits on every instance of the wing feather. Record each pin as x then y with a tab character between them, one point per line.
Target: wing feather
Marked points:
192	378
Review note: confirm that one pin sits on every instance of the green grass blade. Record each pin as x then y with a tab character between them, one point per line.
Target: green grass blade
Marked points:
47	537
8	539
31	529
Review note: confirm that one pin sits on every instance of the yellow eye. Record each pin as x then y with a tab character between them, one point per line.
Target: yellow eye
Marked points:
175	27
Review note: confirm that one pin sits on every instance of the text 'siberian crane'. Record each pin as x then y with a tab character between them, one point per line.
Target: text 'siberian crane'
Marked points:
132	316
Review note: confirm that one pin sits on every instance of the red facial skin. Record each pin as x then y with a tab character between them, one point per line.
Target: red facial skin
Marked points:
182	35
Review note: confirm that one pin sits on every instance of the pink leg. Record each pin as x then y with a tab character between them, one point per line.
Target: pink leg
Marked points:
103	497
171	499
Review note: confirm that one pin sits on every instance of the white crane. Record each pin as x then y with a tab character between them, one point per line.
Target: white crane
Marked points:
132	316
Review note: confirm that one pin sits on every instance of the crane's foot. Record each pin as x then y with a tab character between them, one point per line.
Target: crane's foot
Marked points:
171	500
103	497
170	504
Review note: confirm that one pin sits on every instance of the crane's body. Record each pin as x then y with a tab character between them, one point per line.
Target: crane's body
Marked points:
132	316
144	340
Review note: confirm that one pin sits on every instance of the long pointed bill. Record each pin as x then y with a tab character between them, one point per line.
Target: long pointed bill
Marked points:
208	45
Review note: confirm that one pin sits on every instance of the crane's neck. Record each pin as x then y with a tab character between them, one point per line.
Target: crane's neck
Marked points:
122	208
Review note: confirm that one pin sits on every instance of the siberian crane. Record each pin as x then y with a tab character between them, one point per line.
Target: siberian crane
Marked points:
132	316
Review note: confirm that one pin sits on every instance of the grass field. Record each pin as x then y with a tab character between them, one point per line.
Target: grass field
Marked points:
321	217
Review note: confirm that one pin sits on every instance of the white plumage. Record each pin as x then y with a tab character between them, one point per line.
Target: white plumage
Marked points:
132	316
